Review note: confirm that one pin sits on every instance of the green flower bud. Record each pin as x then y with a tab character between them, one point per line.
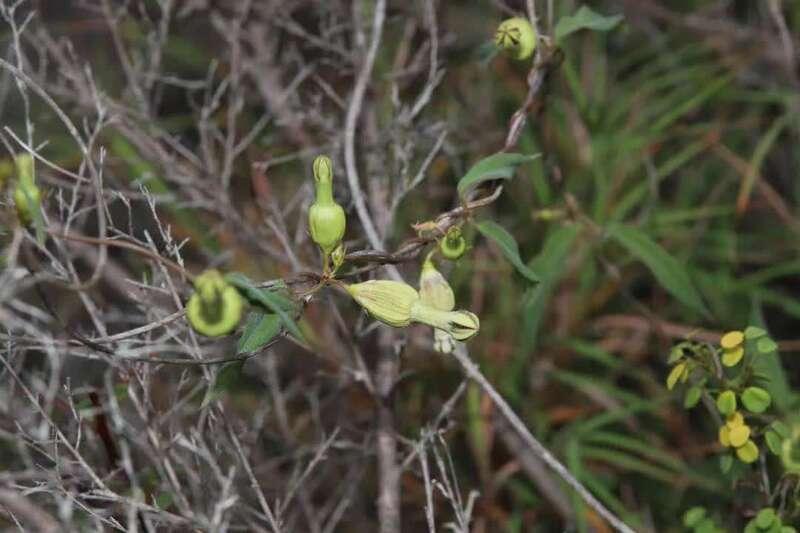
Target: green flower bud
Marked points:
27	197
517	37
28	200
453	245
435	292
461	325
215	308
337	257
388	301
326	218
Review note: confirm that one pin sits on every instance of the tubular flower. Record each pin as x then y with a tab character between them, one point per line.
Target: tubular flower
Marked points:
435	292
385	300
461	325
398	304
326	218
215	308
517	37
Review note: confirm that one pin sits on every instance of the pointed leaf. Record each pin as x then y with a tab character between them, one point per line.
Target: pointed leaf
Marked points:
497	166
585	19
260	329
669	272
493	231
270	299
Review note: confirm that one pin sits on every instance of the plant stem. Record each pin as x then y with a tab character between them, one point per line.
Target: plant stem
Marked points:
473	372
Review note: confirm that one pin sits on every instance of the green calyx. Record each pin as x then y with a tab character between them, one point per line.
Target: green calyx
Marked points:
517	37
215	308
453	245
326	218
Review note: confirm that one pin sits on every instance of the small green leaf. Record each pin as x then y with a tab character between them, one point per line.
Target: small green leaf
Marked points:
585	19
766	345
494	167
669	272
725	463
693	516
705	525
765	517
259	330
270	299
780	428
493	231
726	402
752	333
756	399
774	442
692	397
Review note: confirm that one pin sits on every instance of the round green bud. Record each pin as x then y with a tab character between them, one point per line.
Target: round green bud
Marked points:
453	245
517	37
215	308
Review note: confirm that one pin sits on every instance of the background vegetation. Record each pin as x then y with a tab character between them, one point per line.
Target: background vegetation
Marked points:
185	130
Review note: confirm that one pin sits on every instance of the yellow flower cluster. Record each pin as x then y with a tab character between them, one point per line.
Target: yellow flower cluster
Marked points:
736	434
732	347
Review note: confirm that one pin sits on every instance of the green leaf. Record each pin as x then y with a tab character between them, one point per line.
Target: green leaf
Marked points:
725	463
726	402
766	345
752	333
756	399
774	442
494	167
669	272
692	397
493	231
585	19
765	517
270	299
259	330
693	516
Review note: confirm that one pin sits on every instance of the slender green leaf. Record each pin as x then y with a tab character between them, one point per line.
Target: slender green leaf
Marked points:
494	167
668	271
493	231
258	331
585	19
270	299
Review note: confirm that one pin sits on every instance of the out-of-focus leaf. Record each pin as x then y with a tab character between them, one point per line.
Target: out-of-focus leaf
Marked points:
258	331
585	19
508	246
494	167
669	272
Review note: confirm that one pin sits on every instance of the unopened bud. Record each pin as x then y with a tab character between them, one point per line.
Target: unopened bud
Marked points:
326	218
517	37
